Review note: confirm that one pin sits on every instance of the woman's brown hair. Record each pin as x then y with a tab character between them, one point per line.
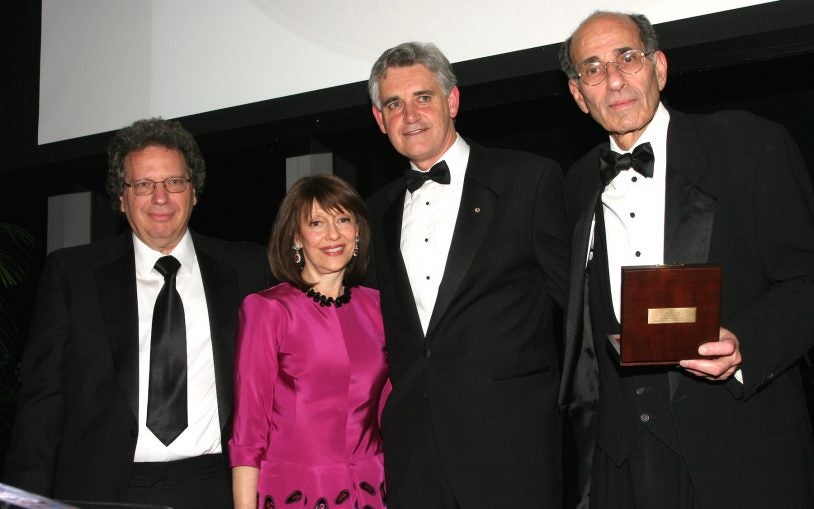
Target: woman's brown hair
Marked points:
332	194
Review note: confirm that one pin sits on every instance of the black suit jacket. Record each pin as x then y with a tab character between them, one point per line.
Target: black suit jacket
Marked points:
76	429
488	365
737	194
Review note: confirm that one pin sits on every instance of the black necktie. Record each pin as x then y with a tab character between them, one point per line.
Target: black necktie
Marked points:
611	163
167	398
415	179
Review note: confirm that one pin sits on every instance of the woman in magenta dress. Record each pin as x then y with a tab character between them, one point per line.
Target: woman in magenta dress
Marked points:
310	362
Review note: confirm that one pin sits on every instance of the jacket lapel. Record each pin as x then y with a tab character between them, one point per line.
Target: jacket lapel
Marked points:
478	203
578	341
220	284
116	283
401	282
689	211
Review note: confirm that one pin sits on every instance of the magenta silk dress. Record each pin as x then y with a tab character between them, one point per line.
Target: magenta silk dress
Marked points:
307	395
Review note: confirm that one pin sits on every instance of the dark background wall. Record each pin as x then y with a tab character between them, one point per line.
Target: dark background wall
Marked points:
757	59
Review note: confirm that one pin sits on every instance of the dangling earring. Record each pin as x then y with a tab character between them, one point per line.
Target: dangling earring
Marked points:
356	247
297	253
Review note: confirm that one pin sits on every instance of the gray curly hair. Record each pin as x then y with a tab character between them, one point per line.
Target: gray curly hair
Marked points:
152	132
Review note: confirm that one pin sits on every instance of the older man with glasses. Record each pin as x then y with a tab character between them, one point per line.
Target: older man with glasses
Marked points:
727	428
128	370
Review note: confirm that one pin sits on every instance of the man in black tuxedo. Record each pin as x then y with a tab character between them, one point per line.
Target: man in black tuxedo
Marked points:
469	267
95	422
730	428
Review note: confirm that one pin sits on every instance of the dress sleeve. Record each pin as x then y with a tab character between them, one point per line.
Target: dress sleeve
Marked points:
260	323
778	327
549	227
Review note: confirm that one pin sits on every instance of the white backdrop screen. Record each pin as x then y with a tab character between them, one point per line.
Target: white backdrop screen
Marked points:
105	63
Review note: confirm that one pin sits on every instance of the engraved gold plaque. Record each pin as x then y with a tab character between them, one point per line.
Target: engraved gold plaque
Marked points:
671	315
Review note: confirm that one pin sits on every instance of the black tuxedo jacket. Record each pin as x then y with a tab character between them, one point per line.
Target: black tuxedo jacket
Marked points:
737	194
76	429
488	365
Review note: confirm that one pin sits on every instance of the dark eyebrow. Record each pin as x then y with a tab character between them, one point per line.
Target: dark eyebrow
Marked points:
417	93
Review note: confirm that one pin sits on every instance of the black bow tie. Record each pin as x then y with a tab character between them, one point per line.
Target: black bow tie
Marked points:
415	179
611	163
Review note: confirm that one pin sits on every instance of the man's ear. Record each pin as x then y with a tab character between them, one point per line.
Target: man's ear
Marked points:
454	100
379	116
661	68
573	87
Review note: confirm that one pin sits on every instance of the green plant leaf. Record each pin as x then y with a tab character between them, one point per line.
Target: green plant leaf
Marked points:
15	253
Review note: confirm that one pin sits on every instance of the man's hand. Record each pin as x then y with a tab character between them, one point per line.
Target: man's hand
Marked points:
721	358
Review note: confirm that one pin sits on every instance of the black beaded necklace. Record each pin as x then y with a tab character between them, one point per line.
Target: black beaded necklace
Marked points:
338	302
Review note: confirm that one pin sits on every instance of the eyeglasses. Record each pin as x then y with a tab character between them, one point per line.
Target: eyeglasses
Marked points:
146	186
629	62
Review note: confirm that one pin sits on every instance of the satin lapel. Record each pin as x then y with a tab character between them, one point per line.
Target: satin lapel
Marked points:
574	338
474	217
116	283
395	261
689	211
220	284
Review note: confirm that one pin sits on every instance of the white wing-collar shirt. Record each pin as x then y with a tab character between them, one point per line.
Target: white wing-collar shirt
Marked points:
633	209
428	222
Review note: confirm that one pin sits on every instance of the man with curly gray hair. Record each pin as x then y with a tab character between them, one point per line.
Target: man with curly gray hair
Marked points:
127	375
152	132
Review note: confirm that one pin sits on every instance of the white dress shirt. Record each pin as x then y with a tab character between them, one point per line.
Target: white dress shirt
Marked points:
427	225
634	209
202	436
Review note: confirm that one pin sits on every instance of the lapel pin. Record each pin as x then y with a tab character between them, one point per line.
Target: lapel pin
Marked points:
477	210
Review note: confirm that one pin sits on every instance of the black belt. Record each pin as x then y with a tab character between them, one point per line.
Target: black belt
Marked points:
179	467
